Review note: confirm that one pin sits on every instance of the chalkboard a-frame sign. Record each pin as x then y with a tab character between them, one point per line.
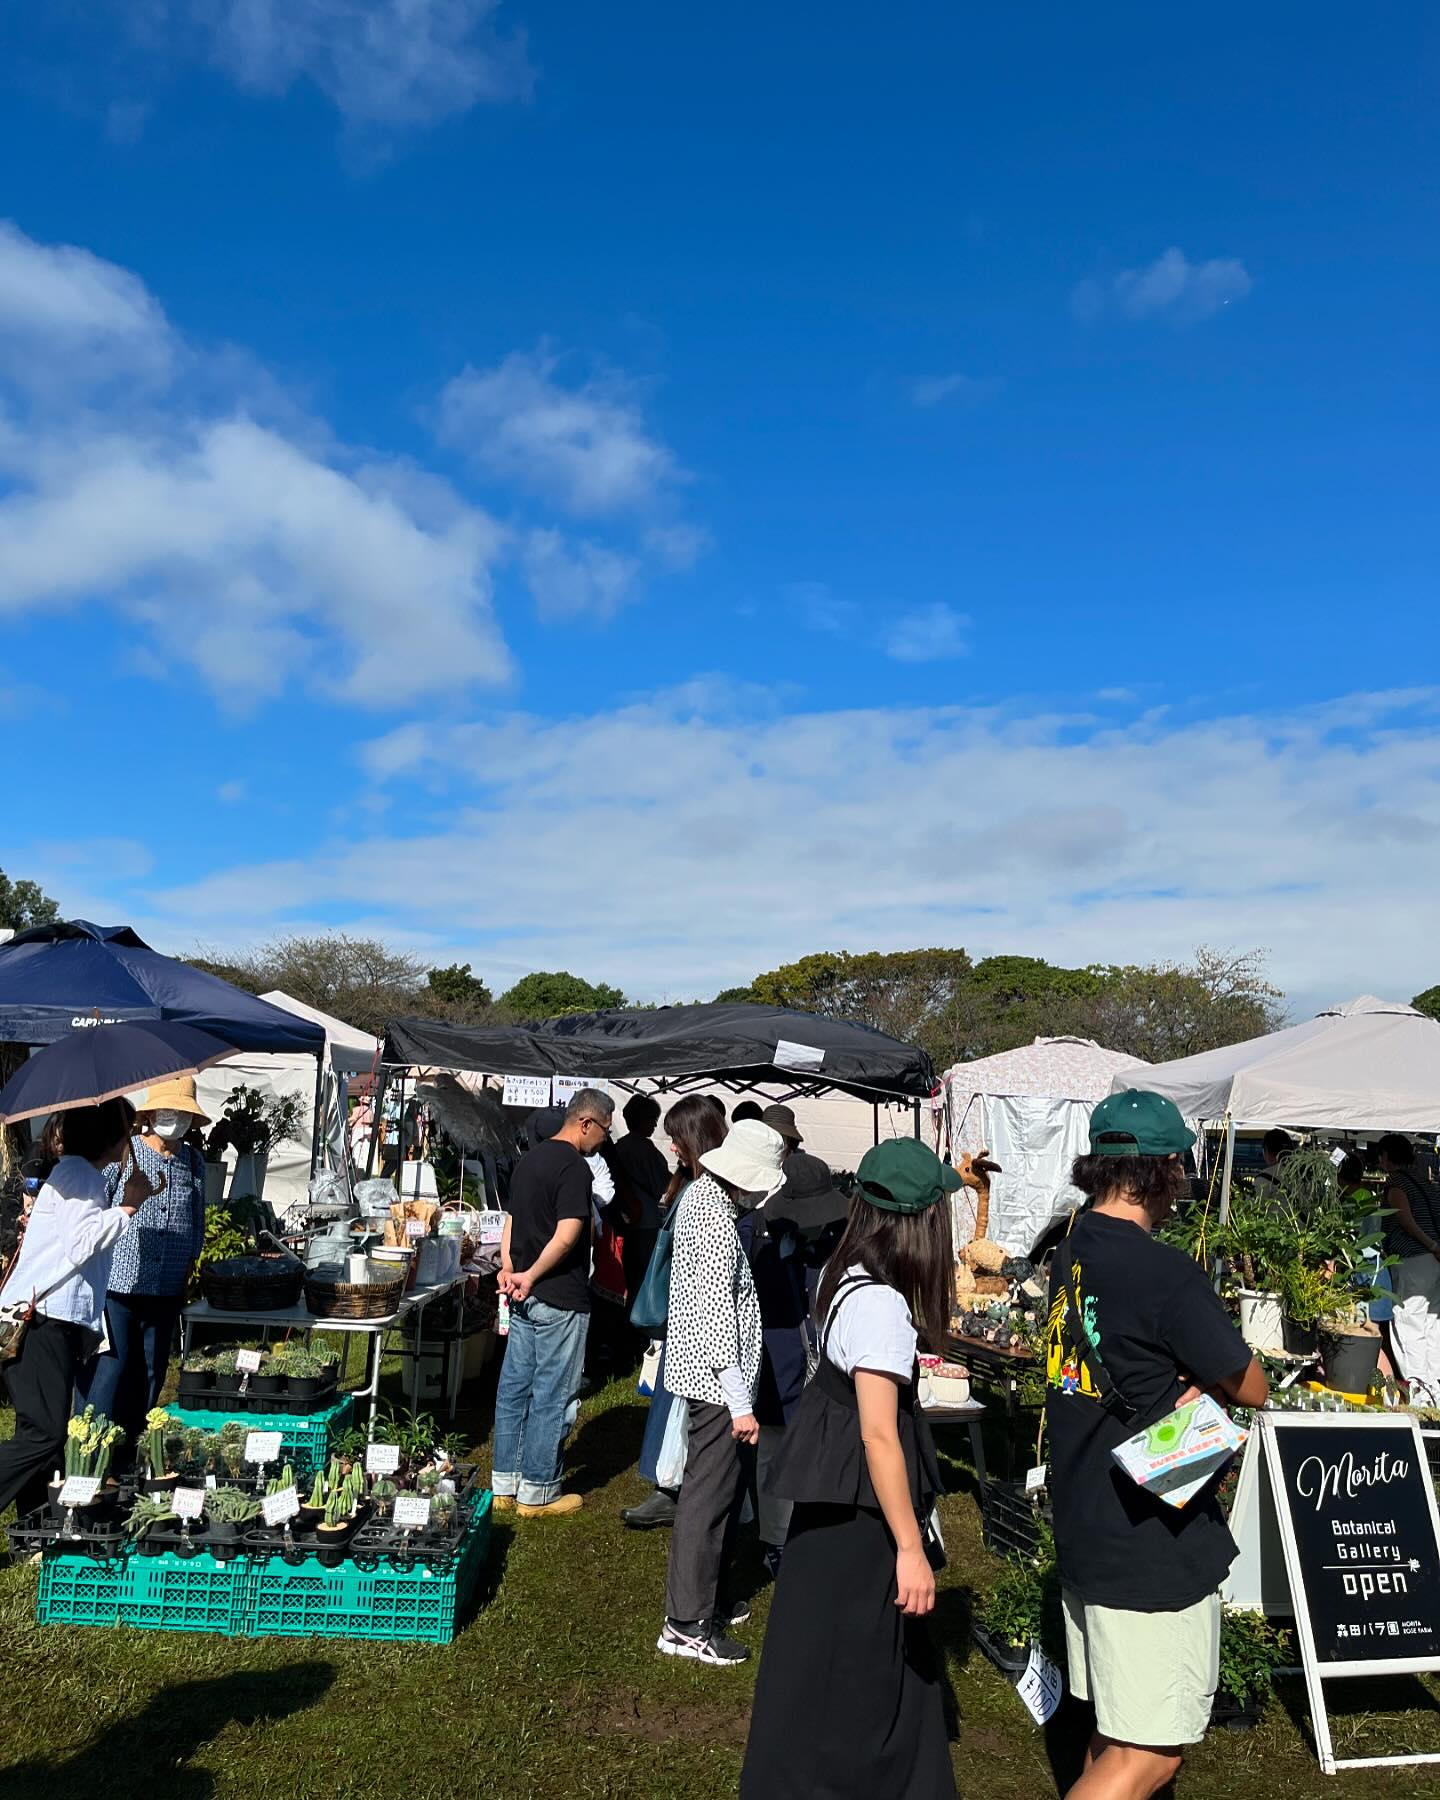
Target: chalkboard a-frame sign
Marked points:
1361	1537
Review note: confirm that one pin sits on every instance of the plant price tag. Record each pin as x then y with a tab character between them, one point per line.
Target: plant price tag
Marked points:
1035	1478
1041	1686
277	1508
79	1490
247	1362
382	1459
412	1512
211	1482
262	1446
526	1090
414	1228
188	1503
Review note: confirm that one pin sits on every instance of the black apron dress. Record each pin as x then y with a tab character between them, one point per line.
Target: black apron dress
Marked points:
849	1698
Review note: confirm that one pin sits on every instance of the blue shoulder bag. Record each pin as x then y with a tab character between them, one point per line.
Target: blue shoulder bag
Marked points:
650	1309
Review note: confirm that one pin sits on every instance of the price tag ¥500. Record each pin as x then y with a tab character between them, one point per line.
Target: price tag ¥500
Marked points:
247	1362
262	1446
412	1512
382	1459
188	1503
79	1490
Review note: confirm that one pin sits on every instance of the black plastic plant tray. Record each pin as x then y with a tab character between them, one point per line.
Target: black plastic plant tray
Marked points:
40	1531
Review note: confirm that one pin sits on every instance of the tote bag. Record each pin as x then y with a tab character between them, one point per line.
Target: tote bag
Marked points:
650	1309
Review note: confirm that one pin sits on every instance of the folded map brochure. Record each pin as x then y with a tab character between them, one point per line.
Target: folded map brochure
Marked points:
1174	1458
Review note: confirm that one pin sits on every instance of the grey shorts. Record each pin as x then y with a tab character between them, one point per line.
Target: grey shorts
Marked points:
1151	1676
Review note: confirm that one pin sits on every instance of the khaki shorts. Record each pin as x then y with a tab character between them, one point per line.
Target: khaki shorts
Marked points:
1151	1676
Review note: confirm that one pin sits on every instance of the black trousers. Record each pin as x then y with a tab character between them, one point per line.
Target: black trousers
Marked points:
40	1381
718	1470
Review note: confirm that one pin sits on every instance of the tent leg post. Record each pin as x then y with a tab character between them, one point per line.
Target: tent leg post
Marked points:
875	1112
916	1105
377	1100
1225	1175
318	1119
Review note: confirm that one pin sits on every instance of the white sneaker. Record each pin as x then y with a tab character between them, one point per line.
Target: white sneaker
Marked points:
700	1642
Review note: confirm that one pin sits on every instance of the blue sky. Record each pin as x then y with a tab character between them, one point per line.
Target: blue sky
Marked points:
656	492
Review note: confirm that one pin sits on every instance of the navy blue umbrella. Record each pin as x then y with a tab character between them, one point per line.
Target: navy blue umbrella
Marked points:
100	1062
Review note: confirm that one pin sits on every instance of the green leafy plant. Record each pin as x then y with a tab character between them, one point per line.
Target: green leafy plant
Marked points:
351	1442
414	1432
1251	1650
224	1363
1257	1240
223	1238
148	1510
252	1122
231	1506
1023	1606
455	1446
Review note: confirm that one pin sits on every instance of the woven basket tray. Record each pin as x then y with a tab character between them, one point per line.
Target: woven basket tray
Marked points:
237	1285
352	1299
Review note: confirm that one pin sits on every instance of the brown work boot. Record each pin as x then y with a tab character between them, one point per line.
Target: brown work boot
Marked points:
502	1503
562	1503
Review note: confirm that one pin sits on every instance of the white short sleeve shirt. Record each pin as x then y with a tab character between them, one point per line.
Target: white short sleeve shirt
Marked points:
872	1330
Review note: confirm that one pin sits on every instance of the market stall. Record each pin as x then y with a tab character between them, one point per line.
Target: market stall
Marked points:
1030	1108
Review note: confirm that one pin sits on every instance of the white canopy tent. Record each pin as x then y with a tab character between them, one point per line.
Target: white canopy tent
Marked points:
1031	1109
347	1052
1365	1065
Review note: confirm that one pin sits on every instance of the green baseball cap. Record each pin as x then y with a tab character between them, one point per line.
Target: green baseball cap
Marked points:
1138	1123
902	1175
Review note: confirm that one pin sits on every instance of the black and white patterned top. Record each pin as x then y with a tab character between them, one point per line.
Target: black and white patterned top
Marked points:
714	1320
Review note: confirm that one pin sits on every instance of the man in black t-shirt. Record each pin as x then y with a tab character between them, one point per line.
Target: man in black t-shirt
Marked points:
545	1271
1135	1329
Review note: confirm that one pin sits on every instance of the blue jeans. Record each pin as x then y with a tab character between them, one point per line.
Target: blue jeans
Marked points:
660	1403
126	1381
537	1400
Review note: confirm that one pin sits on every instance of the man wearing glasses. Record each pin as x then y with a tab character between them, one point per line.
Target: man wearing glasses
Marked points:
545	1271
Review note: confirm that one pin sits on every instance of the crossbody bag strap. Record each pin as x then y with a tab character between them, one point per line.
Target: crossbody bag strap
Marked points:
1111	1398
847	1287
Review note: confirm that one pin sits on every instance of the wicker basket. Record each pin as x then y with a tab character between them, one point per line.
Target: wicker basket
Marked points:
252	1283
330	1299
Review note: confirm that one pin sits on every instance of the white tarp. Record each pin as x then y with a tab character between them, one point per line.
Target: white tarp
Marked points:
1031	1109
1366	1065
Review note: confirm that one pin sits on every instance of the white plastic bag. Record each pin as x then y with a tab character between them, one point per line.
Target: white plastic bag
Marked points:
670	1464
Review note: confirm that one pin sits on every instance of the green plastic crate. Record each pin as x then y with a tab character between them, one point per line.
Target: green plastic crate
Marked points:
305	1438
77	1590
398	1605
188	1593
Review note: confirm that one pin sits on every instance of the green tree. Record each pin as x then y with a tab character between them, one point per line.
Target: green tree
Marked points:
1428	1002
360	980
546	995
23	905
457	990
237	974
1166	1010
914	995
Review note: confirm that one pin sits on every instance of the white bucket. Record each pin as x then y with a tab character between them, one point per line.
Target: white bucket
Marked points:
1261	1320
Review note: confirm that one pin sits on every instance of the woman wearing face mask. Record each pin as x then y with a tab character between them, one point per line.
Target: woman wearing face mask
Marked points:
152	1266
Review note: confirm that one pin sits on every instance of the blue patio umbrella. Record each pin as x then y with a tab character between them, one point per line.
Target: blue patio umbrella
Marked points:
99	1062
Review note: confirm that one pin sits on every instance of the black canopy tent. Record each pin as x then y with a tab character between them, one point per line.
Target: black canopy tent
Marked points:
676	1048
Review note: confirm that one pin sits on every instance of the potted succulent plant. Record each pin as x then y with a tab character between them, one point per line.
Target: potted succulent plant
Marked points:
197	1375
227	1512
160	1479
304	1372
313	1509
334	1531
270	1380
383	1494
226	1378
149	1510
444	1510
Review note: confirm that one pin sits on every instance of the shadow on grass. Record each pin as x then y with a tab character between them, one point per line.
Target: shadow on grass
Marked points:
1368	1699
605	1446
152	1748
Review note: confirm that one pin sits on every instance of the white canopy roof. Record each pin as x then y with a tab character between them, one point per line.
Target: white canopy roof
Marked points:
1060	1068
1366	1065
349	1049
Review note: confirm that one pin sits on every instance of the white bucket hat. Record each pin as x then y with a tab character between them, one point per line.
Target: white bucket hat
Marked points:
750	1159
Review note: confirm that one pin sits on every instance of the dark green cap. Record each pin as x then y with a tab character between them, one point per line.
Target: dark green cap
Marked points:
1138	1123
902	1175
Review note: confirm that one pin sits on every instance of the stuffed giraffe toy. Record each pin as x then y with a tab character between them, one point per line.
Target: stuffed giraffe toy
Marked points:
980	1259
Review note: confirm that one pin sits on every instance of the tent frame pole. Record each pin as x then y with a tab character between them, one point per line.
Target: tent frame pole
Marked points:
318	1117
1229	1167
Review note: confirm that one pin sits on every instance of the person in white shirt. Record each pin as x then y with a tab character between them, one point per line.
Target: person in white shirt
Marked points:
63	1270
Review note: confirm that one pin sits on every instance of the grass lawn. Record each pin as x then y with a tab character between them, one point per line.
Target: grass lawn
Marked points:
554	1688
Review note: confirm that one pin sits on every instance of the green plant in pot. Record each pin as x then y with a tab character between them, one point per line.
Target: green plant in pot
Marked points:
271	1378
197	1374
160	1479
148	1511
383	1495
444	1510
228	1511
226	1375
333	1532
1251	1650
313	1510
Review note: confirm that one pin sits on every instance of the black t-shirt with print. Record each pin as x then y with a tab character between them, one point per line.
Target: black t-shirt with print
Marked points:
1157	1326
551	1183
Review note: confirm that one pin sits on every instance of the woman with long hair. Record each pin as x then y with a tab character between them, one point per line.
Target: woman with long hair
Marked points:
849	1698
712	1361
694	1125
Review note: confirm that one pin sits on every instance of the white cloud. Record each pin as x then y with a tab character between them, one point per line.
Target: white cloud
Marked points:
385	63
230	793
682	843
145	476
934	633
932	390
584	446
585	577
1172	286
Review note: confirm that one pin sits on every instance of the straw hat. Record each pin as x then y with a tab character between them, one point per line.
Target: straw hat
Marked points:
750	1159
174	1096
